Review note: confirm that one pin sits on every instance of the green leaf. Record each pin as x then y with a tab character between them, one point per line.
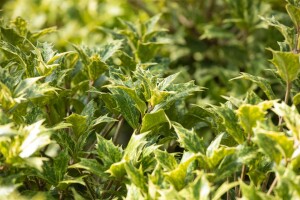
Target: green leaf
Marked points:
286	31
290	116
108	152
296	99
138	102
250	192
147	51
294	13
230	123
127	107
110	49
214	145
135	146
200	188
90	165
261	82
218	155
249	115
166	82
189	139
152	120
117	169
223	189
268	146
133	192
103	119
79	123
287	65
180	91
96	67
177	176
136	176
165	159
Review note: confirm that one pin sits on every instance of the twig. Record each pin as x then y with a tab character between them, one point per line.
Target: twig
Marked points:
242	178
227	193
118	131
272	186
265	183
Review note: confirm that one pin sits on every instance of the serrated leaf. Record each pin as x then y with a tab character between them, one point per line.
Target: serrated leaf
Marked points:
189	139
230	122
166	160
138	102
180	91
126	105
96	67
134	148
108	50
79	123
151	120
103	119
90	165
136	176
200	188
250	192
177	176
223	189
214	145
294	13
108	152
290	116
286	31
147	51
287	65
117	169
249	115
261	82
267	144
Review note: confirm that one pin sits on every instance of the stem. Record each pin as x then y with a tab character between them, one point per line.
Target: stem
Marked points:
227	193
91	83
272	186
286	100
265	183
90	190
242	178
236	188
118	131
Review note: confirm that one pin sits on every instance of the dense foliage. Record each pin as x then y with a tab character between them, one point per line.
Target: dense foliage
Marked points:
180	104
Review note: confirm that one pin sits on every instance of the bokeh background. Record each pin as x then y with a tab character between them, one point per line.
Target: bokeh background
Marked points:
210	41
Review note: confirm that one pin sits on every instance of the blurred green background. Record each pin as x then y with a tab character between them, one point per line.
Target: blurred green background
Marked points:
210	41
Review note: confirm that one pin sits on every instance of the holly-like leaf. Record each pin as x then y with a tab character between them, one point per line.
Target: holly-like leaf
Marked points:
230	122
79	123
290	116
261	82
151	120
189	139
249	115
166	160
127	107
136	176
108	152
177	176
287	65
90	165
294	13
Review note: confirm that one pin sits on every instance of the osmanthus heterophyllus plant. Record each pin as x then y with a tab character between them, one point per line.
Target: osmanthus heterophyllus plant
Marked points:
112	122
